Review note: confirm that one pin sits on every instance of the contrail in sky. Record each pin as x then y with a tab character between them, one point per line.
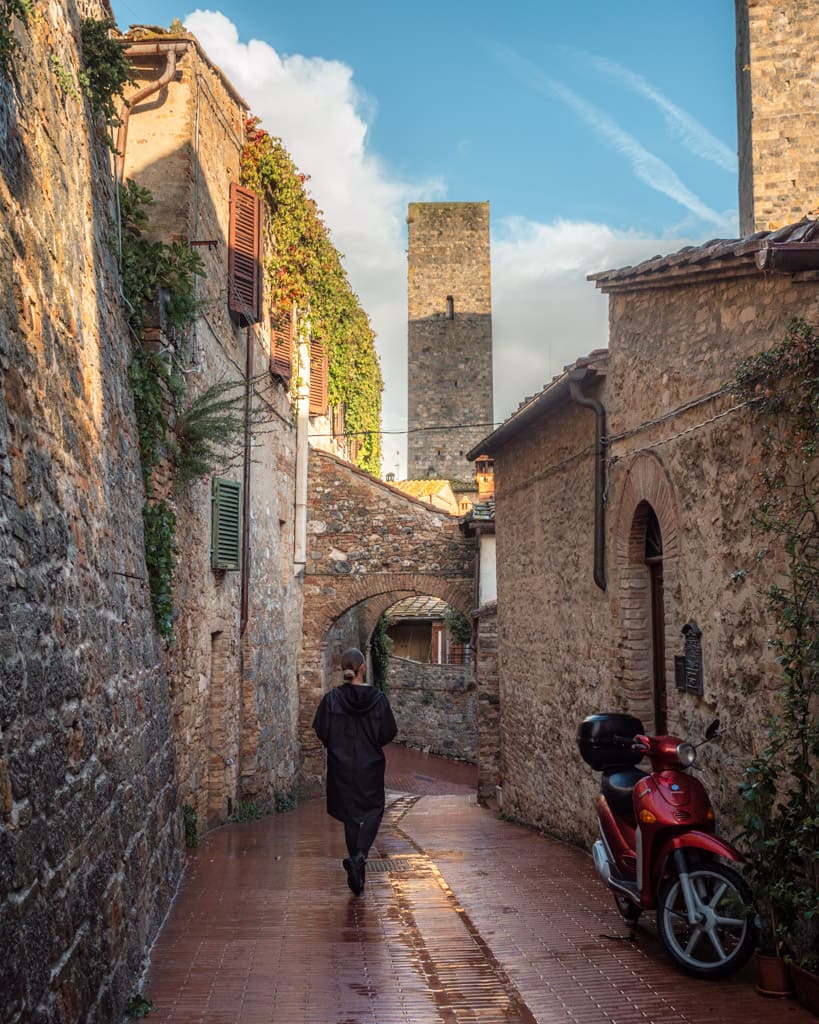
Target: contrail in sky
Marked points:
694	136
646	166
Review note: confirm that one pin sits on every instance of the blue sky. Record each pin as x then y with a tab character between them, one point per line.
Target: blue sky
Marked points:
600	133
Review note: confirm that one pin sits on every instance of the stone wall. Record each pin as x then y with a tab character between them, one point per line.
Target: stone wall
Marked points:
434	707
567	648
449	356
235	695
778	112
488	693
90	836
368	545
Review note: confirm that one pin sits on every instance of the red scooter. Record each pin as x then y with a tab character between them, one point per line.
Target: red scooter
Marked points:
658	849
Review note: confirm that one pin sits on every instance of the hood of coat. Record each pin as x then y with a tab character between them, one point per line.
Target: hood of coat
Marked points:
357	700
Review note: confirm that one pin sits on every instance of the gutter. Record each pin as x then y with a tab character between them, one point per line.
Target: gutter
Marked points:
576	377
169	51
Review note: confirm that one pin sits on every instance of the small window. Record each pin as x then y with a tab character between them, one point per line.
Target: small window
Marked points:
245	256
281	344
318	378
226	524
450	308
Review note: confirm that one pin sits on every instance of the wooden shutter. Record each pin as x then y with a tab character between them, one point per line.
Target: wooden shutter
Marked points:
245	256
226	524
281	344
318	378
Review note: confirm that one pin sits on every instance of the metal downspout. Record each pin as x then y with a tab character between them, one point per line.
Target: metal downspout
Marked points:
575	377
302	453
245	585
170	50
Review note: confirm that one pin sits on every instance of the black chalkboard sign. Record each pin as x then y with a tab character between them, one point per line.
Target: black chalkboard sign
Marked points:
688	675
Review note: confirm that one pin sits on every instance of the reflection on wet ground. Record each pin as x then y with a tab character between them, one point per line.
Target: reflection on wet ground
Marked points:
464	918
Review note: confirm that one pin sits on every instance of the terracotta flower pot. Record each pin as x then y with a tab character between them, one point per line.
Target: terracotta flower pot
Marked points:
806	984
772	975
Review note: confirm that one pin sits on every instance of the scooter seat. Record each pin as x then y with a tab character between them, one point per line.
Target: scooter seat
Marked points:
617	787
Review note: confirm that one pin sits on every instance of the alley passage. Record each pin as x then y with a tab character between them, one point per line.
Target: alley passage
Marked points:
465	918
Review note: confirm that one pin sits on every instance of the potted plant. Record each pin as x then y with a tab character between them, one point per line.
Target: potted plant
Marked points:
781	785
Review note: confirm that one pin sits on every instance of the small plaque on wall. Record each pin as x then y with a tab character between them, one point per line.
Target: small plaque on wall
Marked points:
688	674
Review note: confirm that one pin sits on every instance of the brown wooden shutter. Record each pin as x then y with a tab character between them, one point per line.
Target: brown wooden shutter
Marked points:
245	256
281	344
318	378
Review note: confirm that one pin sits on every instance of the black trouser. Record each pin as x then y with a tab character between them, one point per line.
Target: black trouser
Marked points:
360	834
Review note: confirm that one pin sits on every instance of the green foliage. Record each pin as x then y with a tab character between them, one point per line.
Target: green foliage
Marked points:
781	785
247	811
63	77
380	651
286	800
154	383
139	1006
159	521
459	626
303	266
191	826
9	10
106	69
208	430
150	268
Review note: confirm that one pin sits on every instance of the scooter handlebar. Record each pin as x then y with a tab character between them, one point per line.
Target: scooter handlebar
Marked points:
628	741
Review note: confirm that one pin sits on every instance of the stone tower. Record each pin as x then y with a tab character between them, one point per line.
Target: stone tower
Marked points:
450	338
777	112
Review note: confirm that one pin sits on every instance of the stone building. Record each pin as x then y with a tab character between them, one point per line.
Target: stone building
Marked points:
234	706
450	337
778	113
90	830
624	500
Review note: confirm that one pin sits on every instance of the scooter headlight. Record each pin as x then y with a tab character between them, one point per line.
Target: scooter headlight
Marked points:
686	754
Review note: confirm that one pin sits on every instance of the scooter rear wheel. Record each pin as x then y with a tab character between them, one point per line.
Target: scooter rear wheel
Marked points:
723	937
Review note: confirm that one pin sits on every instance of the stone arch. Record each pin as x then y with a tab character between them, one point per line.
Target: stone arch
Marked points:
323	610
647	486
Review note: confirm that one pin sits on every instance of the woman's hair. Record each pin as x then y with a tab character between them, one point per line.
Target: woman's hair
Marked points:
351	662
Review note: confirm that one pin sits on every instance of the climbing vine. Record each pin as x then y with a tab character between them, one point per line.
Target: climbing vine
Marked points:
105	71
303	266
781	784
9	10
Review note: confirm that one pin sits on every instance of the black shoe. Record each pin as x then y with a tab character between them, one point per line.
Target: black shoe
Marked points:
352	876
359	865
355	874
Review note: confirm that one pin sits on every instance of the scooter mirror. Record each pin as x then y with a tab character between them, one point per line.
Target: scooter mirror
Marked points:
712	730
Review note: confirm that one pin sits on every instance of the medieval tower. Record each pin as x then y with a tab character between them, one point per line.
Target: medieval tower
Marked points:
450	338
777	112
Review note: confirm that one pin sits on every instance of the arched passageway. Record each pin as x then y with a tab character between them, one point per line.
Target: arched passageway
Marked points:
369	545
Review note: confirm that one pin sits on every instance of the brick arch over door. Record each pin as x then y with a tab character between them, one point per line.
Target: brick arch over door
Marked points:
368	544
647	484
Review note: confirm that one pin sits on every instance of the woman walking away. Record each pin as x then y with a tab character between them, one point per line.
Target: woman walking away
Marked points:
354	721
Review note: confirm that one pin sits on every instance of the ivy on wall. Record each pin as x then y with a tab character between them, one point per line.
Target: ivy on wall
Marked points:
303	266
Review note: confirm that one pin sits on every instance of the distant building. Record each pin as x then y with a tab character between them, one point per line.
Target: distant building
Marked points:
450	337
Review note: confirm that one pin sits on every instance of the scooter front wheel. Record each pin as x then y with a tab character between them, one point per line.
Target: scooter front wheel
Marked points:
722	936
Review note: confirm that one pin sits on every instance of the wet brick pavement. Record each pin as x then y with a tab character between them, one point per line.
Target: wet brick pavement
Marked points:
465	918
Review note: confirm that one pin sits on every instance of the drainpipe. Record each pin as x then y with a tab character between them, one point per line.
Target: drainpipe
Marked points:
575	377
245	579
169	51
302	451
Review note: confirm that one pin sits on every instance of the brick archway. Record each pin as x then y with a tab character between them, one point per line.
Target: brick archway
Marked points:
647	485
368	543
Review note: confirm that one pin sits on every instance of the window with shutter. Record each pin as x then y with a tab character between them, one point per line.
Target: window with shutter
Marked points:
318	378
245	256
281	344
226	524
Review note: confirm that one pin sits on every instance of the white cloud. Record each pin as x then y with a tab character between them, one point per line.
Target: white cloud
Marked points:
694	136
546	313
649	168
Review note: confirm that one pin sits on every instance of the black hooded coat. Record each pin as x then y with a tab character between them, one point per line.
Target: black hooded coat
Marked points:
354	723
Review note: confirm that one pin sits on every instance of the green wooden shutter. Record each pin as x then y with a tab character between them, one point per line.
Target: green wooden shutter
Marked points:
226	524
